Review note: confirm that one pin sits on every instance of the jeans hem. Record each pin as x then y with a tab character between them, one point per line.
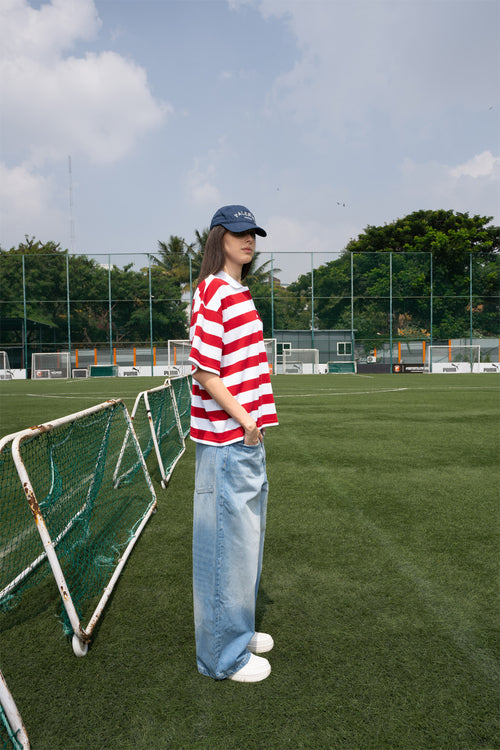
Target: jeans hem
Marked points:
228	673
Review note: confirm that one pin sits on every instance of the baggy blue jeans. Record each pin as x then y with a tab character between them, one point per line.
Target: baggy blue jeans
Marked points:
230	505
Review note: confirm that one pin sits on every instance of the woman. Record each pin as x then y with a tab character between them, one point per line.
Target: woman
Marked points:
232	405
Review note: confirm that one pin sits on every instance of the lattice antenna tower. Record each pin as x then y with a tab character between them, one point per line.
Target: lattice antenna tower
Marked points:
71	218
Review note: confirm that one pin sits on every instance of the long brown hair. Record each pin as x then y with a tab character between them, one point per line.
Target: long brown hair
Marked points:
213	255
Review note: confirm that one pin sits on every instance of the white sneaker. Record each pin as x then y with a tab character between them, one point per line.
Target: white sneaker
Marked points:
260	643
256	669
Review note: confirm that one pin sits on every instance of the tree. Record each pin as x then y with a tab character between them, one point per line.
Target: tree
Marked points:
47	269
456	243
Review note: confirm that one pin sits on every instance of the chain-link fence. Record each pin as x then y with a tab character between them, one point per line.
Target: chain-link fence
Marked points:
386	306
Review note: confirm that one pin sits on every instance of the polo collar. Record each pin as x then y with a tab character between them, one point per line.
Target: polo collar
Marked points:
232	282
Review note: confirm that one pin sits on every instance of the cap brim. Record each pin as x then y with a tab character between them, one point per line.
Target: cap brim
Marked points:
243	226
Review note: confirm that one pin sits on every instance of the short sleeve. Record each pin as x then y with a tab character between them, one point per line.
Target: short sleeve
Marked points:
206	330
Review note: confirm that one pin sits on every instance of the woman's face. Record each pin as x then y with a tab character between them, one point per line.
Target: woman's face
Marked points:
238	250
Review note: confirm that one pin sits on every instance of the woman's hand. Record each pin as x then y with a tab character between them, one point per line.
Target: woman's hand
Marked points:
253	435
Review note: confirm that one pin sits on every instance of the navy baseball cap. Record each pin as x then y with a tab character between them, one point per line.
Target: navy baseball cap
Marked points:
236	219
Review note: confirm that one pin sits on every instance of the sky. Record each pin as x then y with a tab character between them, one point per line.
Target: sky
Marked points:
123	122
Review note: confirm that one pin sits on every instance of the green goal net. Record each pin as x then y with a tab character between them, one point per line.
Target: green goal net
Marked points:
23	560
182	393
158	427
68	506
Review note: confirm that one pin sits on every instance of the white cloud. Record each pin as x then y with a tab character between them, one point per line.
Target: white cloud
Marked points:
200	185
472	187
45	33
27	201
95	106
53	105
481	165
397	59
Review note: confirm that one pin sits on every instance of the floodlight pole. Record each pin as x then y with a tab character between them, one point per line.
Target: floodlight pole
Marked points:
190	287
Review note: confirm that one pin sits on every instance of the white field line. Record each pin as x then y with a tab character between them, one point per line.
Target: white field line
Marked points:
90	396
17	540
328	392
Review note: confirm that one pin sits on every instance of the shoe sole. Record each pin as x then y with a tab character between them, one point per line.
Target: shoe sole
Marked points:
258	677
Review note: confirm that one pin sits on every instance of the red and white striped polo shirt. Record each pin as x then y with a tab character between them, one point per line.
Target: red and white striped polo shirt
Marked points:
226	339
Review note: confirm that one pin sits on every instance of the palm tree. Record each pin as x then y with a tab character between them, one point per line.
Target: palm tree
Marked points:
182	262
174	259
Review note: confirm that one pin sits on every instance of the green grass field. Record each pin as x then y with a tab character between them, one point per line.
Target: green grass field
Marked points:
380	584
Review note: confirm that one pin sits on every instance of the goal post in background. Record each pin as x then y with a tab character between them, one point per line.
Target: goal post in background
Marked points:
87	521
5	373
342	368
452	358
178	352
298	361
103	371
50	365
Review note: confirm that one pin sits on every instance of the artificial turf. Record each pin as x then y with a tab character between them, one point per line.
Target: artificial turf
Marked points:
379	584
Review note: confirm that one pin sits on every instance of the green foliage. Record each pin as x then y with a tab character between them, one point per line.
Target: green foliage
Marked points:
286	309
452	241
48	269
453	244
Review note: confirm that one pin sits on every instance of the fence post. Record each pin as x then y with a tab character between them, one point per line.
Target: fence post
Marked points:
470	305
312	300
390	307
110	321
68	307
352	306
150	313
25	322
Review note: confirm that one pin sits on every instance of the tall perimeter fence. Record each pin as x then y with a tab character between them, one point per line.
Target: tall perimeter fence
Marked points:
384	308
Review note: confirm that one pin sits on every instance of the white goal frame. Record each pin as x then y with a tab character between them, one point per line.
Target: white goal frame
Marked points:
50	365
177	357
143	399
81	635
452	358
5	371
342	367
15	727
297	361
102	371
